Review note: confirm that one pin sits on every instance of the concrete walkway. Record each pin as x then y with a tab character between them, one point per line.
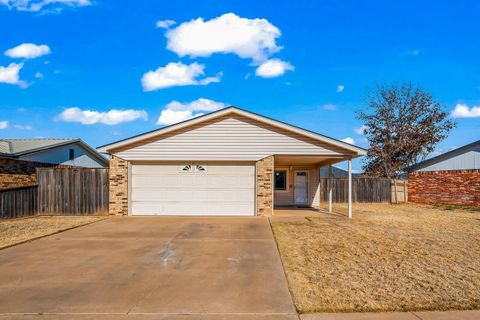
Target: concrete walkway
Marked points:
427	315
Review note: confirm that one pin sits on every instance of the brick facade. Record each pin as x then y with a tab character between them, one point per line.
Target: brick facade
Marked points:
18	173
454	187
118	186
264	176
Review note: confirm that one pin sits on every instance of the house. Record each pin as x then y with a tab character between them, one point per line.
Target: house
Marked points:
451	178
336	173
229	162
19	158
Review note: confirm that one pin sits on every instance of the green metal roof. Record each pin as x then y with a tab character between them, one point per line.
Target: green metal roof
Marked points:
21	146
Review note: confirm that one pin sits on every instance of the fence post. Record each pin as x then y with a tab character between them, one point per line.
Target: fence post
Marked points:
395	190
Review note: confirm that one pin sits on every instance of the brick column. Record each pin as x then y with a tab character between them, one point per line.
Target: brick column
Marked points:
118	186
264	172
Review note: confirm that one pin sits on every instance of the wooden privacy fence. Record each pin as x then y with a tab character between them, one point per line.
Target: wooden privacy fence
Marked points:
399	191
364	190
18	202
72	191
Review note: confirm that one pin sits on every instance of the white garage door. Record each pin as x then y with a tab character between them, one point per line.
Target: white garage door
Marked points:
192	189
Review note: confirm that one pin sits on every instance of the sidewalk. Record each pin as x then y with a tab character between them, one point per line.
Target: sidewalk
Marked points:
425	315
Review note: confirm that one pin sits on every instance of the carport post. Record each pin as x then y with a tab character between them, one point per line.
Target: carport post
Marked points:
350	188
330	188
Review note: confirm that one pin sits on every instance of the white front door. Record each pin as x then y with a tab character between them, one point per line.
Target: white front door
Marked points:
301	188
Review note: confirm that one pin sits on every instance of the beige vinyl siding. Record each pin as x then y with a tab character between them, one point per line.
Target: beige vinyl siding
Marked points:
228	138
286	197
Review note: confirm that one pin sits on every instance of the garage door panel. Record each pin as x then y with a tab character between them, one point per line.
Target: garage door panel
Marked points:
193	208
152	195
146	169
174	168
218	181
182	179
191	195
166	190
226	169
242	195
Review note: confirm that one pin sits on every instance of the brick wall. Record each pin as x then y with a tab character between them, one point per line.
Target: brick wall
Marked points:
118	186
17	173
456	187
265	186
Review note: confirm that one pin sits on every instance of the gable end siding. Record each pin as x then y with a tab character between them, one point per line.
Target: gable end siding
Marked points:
224	139
468	160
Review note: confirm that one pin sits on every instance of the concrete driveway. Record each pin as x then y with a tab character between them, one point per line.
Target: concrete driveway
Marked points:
148	268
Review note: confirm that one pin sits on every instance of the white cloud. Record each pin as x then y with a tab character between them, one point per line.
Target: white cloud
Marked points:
111	117
3	125
165	24
39	5
273	68
340	88
28	51
229	33
349	140
22	127
11	74
329	107
462	111
175	111
360	130
38	75
176	74
168	117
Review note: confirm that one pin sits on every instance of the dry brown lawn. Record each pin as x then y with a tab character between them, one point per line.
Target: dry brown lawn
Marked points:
387	258
15	231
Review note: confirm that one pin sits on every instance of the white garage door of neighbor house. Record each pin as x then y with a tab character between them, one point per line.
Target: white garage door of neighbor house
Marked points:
192	189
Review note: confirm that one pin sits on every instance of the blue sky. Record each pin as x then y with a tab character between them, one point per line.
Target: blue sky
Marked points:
91	55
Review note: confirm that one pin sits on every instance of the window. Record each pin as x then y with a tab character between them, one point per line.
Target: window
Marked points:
200	168
187	168
193	168
71	154
280	180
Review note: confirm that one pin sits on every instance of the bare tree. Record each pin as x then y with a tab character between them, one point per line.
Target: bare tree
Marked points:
403	126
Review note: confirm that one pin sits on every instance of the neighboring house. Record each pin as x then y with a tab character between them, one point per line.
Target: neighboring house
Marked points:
337	173
229	162
450	178
19	158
